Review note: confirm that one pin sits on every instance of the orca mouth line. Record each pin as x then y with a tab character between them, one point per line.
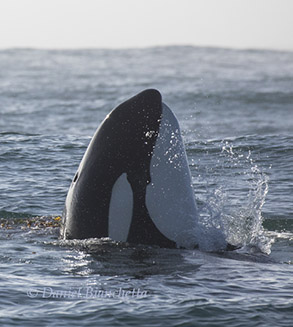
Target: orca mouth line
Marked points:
134	183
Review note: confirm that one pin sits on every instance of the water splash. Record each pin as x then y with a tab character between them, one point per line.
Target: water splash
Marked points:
230	204
245	225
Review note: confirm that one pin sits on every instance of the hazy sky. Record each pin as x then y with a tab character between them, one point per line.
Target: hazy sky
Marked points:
139	23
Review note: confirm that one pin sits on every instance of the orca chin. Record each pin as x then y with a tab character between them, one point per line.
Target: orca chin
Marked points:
133	183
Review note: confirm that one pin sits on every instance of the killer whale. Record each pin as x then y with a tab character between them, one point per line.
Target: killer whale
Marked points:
133	183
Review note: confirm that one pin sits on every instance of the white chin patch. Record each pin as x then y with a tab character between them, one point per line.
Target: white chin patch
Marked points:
169	197
121	207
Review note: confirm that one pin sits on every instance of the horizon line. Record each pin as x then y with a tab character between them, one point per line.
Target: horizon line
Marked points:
218	47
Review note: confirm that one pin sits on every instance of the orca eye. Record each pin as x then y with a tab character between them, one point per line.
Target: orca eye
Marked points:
75	177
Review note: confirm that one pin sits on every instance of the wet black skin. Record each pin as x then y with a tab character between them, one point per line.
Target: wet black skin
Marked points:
124	143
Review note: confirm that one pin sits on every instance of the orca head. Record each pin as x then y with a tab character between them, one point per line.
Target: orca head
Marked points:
133	183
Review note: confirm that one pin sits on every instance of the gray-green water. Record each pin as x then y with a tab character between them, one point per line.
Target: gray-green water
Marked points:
235	109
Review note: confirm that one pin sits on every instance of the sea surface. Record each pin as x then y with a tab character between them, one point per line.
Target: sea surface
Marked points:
235	109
